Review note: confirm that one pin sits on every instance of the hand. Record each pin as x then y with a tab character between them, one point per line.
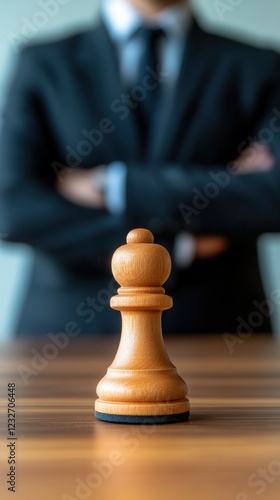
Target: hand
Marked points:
84	187
208	247
255	158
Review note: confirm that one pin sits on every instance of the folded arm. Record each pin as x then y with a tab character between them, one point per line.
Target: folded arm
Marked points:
31	209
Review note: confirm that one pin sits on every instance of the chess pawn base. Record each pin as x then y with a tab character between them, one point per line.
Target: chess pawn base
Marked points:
141	385
133	419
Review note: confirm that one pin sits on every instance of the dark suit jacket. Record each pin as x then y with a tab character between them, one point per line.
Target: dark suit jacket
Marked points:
64	90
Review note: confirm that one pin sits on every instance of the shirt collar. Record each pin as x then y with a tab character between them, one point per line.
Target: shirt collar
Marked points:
123	20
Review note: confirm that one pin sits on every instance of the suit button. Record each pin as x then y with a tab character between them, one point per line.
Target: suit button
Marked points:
156	225
172	225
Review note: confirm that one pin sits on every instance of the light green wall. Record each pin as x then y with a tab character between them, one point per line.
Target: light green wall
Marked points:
254	20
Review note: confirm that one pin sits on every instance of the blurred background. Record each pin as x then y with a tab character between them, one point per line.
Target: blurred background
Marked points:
23	21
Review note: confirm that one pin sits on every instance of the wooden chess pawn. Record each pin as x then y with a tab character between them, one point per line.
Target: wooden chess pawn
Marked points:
141	385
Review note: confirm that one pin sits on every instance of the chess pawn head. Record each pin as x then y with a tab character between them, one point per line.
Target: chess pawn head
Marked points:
141	385
141	263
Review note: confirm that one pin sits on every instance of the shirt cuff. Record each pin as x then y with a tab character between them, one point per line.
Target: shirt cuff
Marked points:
115	188
184	250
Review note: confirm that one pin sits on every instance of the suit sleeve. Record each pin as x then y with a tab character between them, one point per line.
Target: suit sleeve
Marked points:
31	211
214	200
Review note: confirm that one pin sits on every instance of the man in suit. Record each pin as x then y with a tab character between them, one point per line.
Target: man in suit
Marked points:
167	127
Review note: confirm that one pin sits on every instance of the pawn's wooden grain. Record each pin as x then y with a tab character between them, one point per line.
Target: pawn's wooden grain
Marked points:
141	384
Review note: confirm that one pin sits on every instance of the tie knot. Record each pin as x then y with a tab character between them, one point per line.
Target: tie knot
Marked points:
149	35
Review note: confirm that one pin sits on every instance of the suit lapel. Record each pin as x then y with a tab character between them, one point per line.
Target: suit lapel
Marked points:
102	66
192	78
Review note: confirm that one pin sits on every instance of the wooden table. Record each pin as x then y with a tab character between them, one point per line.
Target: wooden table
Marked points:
232	438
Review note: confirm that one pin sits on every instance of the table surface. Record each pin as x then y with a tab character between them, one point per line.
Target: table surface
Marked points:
231	439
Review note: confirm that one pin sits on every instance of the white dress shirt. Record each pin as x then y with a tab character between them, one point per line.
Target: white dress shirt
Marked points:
123	21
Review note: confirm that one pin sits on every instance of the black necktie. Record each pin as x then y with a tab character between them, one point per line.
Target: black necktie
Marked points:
149	81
